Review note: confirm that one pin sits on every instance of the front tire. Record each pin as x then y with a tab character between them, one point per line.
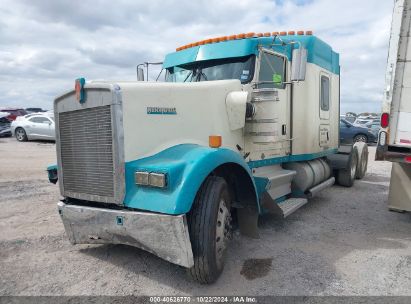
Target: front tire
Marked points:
21	134
209	224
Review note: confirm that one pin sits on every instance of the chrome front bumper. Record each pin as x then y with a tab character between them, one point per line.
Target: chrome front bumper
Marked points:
163	235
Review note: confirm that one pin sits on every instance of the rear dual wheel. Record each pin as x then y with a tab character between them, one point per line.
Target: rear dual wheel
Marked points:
346	177
210	229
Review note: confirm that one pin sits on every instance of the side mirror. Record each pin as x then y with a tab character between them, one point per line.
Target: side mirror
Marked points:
299	62
140	74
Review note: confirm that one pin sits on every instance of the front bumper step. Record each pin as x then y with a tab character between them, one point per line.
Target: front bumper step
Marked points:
163	235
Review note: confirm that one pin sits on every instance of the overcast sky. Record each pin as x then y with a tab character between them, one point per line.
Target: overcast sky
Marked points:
45	45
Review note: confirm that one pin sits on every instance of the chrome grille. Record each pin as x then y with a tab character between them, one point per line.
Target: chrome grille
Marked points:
86	148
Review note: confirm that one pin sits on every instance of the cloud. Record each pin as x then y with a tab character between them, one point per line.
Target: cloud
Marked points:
46	44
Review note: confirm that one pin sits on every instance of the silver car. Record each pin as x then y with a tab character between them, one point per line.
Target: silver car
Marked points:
34	126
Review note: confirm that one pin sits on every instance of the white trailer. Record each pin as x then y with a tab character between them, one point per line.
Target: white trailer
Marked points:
394	142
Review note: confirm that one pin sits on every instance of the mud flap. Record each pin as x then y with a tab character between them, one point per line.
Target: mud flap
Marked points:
399	196
248	221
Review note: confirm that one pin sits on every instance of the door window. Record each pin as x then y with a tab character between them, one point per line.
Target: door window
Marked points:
272	71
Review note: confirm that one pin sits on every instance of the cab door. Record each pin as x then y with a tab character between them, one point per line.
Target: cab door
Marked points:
40	127
268	132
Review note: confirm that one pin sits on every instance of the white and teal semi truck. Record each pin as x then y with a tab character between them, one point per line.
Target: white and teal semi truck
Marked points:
243	125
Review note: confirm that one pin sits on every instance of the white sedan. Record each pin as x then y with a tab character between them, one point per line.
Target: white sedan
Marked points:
34	126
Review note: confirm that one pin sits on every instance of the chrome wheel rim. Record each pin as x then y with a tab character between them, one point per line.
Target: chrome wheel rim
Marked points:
223	231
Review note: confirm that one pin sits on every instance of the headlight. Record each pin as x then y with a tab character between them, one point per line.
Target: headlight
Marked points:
154	179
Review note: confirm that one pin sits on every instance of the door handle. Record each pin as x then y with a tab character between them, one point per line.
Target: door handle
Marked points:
284	129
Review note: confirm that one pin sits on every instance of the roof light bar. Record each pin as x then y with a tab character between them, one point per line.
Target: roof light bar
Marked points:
242	36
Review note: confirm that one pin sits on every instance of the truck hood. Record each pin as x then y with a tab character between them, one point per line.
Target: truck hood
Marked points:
157	116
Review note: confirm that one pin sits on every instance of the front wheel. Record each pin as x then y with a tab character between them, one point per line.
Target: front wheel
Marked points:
210	229
21	134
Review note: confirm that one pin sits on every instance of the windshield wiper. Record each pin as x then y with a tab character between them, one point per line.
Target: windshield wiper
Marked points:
202	74
189	74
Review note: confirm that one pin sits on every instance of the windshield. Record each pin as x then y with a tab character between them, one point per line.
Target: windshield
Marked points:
241	68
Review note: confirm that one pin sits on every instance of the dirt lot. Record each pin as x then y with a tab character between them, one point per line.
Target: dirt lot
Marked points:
344	242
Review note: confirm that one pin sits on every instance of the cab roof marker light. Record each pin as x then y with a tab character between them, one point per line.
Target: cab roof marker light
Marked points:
242	36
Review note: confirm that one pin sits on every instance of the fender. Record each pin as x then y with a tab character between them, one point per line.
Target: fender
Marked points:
186	166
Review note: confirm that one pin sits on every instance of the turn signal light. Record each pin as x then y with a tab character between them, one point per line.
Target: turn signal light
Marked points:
215	141
407	159
385	120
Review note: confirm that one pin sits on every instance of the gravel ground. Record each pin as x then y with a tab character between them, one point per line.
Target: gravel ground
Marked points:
343	242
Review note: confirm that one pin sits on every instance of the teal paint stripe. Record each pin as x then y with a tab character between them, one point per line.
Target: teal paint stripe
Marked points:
289	158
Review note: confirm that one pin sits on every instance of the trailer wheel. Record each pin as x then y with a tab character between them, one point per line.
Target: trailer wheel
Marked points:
346	177
209	224
362	161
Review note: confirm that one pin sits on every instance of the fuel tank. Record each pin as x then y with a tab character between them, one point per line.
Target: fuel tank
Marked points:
309	173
